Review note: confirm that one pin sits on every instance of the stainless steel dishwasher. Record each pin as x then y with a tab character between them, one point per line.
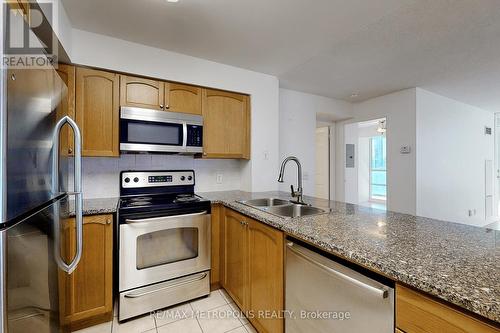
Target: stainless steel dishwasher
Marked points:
325	296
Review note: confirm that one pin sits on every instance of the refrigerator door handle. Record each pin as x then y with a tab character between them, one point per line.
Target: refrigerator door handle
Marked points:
69	268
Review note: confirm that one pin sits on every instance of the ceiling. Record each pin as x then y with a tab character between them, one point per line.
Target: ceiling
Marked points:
332	48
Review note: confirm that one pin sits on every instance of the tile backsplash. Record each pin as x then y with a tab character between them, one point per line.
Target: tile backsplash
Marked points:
101	174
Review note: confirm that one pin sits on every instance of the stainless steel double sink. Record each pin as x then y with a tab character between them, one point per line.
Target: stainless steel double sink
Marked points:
283	208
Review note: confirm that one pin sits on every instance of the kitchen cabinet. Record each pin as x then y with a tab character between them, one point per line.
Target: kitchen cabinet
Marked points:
182	98
217	211
419	313
235	256
97	111
143	93
86	295
66	107
226	124
159	95
253	268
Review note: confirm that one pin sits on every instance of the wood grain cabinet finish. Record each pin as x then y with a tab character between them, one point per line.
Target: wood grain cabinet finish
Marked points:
216	225
140	92
182	98
235	257
67	107
97	111
265	275
419	313
253	268
86	295
226	124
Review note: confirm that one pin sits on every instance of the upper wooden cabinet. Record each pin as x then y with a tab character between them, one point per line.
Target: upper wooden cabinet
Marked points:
252	260
86	295
182	98
159	95
419	313
226	124
143	93
67	107
97	111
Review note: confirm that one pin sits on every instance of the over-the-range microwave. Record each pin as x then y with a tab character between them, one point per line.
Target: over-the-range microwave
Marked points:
154	131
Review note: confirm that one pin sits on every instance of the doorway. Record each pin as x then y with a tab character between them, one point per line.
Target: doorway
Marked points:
322	177
366	163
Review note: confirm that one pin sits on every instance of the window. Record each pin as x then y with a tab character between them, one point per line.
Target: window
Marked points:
378	169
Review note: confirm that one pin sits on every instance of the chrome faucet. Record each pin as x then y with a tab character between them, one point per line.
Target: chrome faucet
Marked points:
296	194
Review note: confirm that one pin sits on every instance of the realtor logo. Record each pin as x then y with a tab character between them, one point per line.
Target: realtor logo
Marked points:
29	40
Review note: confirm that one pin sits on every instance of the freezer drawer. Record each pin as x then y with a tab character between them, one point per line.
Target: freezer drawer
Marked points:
160	295
325	296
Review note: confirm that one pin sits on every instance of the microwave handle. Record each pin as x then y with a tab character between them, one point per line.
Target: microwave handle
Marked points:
184	135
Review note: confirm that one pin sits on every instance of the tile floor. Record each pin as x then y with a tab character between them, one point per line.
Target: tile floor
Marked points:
216	313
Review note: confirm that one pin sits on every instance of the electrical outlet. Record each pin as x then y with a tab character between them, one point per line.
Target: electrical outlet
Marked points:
219	177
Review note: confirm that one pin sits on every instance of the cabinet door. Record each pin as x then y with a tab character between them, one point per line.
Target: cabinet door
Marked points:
265	275
419	313
86	295
235	257
182	98
67	107
97	111
143	93
226	125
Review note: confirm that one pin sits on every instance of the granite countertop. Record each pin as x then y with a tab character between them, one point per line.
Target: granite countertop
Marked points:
96	206
455	262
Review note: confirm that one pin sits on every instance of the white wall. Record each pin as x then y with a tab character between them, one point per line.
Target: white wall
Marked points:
101	175
399	110
451	152
119	55
297	128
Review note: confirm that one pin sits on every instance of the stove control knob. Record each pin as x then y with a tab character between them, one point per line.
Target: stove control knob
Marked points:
136	179
190	177
183	178
127	180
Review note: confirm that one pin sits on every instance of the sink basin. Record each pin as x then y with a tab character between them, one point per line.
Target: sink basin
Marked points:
266	202
295	210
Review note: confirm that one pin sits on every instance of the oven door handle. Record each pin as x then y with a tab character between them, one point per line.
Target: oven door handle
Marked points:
169	286
154	219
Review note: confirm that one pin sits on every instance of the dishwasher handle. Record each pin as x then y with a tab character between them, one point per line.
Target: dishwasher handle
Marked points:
382	292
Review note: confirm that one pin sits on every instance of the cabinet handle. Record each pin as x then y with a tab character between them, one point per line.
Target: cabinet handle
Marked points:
167	106
70	151
13	77
161	106
108	221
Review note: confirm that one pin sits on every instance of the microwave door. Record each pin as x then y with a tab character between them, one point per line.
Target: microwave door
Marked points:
144	130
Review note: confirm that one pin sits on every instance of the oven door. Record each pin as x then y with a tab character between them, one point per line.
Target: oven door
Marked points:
162	248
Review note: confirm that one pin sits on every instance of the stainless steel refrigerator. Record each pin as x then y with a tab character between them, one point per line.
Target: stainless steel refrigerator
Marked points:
34	198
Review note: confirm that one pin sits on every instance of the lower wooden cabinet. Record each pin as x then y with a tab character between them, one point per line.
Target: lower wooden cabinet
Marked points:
86	295
252	272
419	313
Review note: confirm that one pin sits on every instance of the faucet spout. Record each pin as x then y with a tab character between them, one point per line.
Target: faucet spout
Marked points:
296	194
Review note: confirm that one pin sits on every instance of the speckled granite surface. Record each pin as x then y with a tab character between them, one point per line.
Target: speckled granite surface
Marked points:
96	206
455	262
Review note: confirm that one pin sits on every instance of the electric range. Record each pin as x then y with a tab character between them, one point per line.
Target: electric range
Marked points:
164	241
